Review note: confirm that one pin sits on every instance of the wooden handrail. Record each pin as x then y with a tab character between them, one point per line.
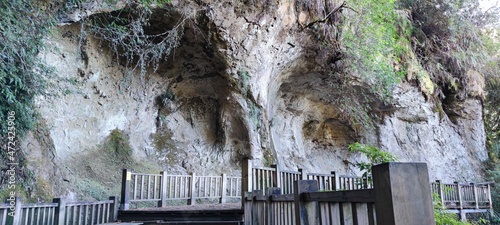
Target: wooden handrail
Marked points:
355	196
83	203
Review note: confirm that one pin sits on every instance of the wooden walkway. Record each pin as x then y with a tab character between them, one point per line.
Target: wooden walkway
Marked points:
227	216
225	212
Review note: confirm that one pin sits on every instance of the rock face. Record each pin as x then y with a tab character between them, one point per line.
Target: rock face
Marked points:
246	82
450	144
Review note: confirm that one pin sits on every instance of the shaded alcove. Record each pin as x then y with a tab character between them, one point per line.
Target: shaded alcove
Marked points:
308	126
198	115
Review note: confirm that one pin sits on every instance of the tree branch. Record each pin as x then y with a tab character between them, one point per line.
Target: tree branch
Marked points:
343	5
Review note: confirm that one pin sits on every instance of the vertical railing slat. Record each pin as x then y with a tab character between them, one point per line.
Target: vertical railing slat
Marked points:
148	188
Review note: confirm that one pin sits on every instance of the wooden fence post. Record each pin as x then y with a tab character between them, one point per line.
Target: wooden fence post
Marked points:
246	175
490	201
303	174
223	188
246	178
440	192
463	217
271	213
113	214
125	195
60	211
247	208
277	176
192	200
402	194
476	199
365	181
459	194
17	213
306	213
257	208
163	189
334	185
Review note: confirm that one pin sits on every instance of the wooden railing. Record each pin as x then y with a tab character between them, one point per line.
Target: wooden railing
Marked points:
354	183
263	177
333	207
453	196
400	192
90	212
260	178
285	179
326	182
59	212
270	207
349	207
163	187
29	213
146	187
463	198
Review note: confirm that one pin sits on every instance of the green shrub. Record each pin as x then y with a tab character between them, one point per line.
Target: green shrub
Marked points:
493	174
375	156
444	218
376	40
23	26
448	39
492	123
118	146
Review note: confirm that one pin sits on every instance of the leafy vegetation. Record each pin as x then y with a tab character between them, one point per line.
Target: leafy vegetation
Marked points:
492	102
374	155
448	39
493	166
375	50
23	26
440	44
492	117
445	218
376	41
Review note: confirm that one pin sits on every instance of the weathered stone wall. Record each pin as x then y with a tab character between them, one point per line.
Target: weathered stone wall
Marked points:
246	82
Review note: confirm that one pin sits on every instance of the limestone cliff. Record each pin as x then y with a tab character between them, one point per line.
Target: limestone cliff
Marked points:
248	80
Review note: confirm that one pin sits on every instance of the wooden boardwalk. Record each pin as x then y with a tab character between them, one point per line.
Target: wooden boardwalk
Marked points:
225	212
228	215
